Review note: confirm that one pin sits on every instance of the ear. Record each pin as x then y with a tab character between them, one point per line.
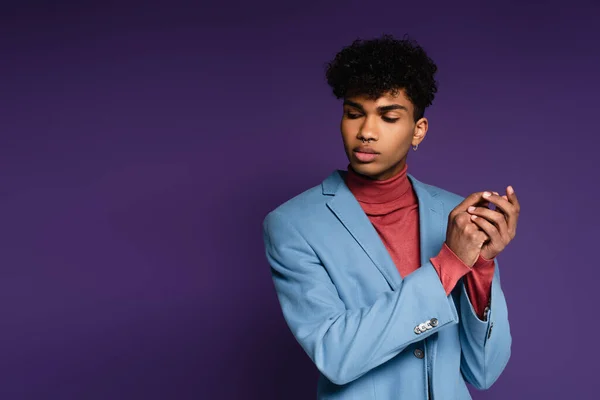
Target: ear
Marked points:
420	131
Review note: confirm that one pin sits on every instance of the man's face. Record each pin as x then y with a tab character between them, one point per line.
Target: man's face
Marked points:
387	127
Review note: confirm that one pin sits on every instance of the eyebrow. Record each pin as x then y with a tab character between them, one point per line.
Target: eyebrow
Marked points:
381	109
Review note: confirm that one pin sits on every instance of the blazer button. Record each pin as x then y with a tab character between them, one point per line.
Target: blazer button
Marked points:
418	353
434	322
417	330
490	332
423	327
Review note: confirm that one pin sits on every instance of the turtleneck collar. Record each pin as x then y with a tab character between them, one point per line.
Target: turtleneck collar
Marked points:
372	191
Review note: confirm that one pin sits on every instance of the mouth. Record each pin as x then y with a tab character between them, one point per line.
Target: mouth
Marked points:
364	154
365	150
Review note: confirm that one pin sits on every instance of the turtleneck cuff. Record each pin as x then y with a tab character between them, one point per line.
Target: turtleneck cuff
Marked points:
450	268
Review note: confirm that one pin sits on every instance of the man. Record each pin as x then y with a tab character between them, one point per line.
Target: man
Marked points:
391	285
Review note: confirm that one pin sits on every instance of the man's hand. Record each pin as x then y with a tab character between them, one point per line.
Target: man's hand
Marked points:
500	225
463	236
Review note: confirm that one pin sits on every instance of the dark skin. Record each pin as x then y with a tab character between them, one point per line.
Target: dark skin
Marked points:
500	225
387	126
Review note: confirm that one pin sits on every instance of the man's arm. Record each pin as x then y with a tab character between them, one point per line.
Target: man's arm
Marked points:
481	365
478	285
345	344
485	343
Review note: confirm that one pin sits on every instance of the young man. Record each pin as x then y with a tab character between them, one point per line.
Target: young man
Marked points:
391	285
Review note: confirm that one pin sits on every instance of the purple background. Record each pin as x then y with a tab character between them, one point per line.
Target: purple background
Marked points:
141	145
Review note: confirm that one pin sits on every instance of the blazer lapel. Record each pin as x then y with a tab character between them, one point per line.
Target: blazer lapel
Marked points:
349	212
432	219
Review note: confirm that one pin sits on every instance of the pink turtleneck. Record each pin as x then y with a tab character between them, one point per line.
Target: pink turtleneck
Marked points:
393	209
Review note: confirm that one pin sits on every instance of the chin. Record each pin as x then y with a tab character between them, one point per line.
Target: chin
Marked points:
368	169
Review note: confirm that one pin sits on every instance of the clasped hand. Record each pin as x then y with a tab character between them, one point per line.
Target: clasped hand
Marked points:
474	229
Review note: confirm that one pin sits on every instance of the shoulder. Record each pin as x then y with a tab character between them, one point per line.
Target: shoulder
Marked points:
449	198
304	207
302	204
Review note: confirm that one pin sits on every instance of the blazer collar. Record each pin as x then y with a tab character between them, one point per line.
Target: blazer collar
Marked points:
350	214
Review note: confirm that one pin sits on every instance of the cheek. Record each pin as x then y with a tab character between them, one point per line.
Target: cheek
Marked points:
399	140
347	131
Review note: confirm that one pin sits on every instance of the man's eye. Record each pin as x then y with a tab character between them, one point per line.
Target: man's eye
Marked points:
386	119
352	115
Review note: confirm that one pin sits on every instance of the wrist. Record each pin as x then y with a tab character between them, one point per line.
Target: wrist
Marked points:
483	262
448	253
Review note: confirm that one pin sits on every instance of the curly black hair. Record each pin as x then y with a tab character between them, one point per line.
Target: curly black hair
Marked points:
373	67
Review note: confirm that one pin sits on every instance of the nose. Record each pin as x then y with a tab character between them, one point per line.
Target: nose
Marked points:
367	131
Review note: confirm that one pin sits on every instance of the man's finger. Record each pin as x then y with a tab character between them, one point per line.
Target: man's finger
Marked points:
470	200
488	228
482	203
512	197
503	196
501	205
492	216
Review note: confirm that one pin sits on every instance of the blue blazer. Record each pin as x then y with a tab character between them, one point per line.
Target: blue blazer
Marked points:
371	333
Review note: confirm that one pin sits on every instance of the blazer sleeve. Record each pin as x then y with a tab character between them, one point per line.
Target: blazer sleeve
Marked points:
345	344
485	343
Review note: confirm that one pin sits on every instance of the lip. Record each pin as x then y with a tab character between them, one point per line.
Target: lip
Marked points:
365	154
364	149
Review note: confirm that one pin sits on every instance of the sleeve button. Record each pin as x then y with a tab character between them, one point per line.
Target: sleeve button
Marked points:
419	353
